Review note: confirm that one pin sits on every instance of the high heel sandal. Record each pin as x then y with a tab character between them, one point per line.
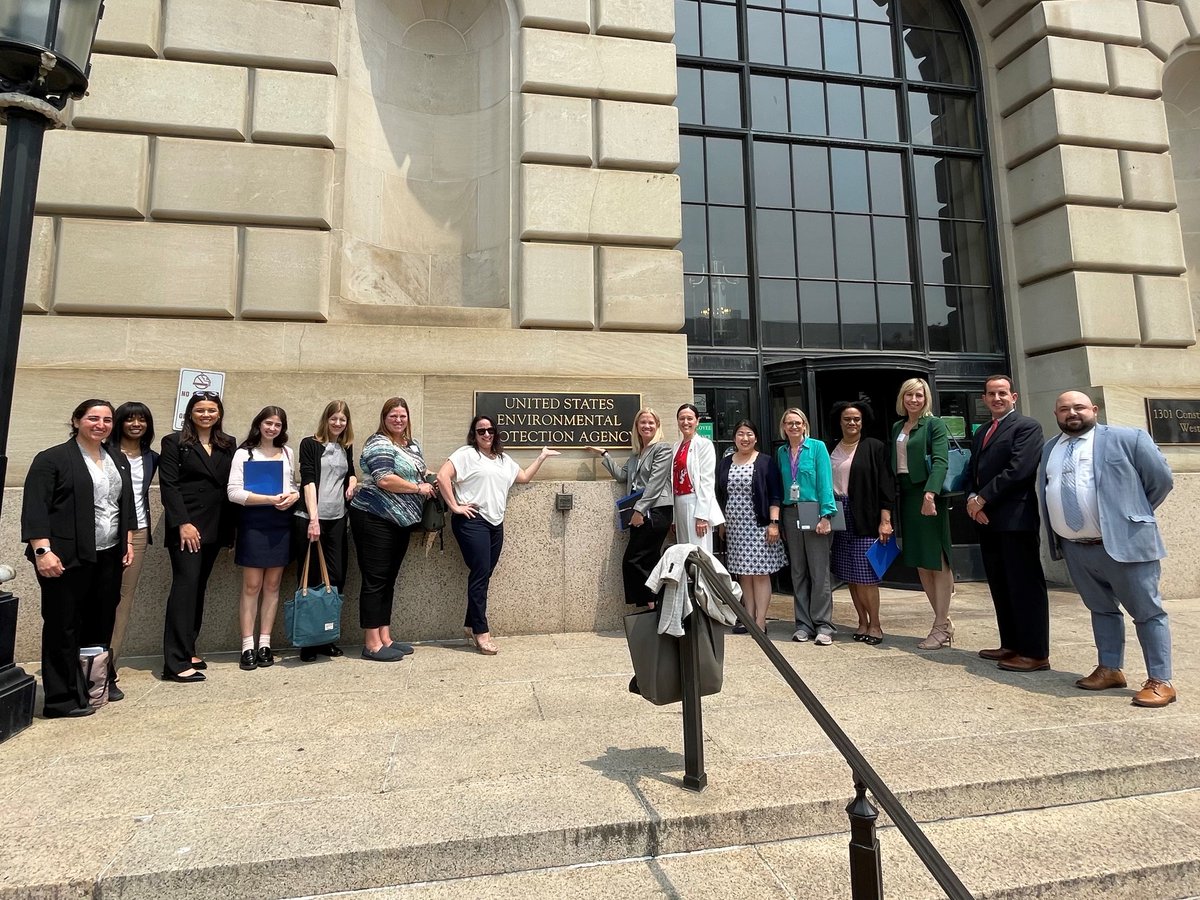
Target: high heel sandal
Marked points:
485	645
469	636
939	636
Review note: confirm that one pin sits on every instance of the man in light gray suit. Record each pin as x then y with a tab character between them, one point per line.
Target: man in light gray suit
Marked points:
1099	487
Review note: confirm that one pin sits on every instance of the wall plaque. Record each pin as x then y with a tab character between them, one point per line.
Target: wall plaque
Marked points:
1174	421
561	419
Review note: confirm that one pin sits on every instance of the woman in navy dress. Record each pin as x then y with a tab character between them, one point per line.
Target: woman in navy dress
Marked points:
263	546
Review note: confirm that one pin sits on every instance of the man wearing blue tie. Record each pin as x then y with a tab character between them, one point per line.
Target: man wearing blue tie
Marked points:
1099	487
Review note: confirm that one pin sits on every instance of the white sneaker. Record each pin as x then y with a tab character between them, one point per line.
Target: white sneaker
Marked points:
824	640
801	636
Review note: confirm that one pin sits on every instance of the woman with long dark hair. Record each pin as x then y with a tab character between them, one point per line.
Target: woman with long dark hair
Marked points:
327	481
475	482
132	435
192	476
383	512
263	546
77	520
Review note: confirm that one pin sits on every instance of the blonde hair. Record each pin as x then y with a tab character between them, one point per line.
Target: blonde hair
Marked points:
911	385
793	411
346	438
638	446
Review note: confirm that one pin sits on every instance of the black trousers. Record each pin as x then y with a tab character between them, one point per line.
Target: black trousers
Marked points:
335	545
380	547
78	610
643	553
1013	563
185	603
481	543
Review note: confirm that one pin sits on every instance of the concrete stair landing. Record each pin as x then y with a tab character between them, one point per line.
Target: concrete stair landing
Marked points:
535	774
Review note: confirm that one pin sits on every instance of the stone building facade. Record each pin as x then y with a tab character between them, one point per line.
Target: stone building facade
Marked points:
363	198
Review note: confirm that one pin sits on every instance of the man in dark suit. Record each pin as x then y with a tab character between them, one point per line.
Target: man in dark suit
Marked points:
1002	501
1099	487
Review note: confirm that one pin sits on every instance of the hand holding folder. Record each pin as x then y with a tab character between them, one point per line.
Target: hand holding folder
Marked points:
881	556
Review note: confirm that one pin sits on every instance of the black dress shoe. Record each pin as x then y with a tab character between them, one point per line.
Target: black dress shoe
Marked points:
330	650
114	692
265	657
183	679
76	713
248	663
308	654
200	666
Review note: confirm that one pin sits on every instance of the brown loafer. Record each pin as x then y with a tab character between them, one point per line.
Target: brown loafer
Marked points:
1154	694
1023	664
1101	679
997	654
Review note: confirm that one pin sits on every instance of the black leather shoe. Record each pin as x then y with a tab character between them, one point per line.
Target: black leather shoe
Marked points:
248	663
330	650
114	692
183	679
308	654
200	666
265	657
76	713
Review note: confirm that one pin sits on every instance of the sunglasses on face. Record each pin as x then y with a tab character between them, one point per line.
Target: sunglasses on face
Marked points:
483	431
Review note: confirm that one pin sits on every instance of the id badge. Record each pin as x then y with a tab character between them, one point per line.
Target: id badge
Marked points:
794	494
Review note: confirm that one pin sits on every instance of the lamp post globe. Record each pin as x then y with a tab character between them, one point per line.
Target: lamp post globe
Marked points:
46	47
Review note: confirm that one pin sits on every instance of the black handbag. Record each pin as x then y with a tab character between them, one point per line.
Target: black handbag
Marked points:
433	513
656	663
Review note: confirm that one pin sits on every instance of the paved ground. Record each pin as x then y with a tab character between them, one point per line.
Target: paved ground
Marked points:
345	774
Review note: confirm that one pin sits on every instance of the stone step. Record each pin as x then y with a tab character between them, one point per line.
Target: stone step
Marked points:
1139	848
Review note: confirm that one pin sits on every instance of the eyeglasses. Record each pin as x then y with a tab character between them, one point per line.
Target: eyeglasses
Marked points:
793	424
206	395
483	431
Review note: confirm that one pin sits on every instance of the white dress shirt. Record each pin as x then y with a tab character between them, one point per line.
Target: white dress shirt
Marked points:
1085	488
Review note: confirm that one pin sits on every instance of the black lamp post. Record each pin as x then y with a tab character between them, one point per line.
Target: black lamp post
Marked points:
45	58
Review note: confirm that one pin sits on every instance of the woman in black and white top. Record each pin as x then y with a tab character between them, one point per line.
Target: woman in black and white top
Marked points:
132	435
648	470
327	482
263	545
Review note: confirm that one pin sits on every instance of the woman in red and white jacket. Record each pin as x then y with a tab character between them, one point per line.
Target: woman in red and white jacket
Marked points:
694	482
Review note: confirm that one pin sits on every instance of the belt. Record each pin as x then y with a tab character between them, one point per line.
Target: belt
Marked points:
1084	540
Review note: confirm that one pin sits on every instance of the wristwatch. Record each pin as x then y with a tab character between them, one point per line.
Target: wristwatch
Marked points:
40	551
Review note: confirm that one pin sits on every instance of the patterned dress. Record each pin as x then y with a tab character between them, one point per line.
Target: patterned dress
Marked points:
746	541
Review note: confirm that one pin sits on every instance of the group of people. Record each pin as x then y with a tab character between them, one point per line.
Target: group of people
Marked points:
86	522
777	510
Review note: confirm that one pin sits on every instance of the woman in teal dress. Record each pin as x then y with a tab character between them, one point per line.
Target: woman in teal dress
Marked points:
920	455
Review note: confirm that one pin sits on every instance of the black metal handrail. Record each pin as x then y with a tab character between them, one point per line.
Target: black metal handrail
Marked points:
866	874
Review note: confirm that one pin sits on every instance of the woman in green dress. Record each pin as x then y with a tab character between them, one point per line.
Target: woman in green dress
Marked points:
920	455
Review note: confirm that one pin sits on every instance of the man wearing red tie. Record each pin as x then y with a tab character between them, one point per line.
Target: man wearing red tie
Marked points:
1002	501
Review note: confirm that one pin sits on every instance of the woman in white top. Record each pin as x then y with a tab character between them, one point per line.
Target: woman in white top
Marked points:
694	482
475	481
263	546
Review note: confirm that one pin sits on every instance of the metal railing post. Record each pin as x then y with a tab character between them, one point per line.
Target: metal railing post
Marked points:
866	865
694	776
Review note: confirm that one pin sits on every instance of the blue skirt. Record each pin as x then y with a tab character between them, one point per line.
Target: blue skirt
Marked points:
264	537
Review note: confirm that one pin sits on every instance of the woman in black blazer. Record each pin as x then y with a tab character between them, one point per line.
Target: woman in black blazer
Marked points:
193	472
77	518
132	435
863	482
327	482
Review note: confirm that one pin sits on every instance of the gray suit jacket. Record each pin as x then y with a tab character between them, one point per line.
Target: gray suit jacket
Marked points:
1132	478
650	471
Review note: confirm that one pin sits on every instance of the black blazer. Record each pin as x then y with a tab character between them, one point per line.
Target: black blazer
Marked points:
1004	473
149	467
871	486
311	451
59	504
192	484
766	486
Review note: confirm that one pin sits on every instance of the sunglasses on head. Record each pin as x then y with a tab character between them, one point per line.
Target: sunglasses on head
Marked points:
485	431
206	395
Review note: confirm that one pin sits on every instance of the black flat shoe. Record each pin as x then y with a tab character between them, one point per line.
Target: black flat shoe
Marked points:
860	637
77	713
200	666
183	679
308	654
739	628
115	693
248	663
872	640
332	650
265	657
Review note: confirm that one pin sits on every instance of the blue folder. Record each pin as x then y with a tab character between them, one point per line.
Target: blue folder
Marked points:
625	509
263	476
881	556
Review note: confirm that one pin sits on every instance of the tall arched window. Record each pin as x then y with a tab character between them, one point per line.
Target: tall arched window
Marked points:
833	173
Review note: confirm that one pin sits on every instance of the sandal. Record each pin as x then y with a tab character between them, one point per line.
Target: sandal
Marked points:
485	644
